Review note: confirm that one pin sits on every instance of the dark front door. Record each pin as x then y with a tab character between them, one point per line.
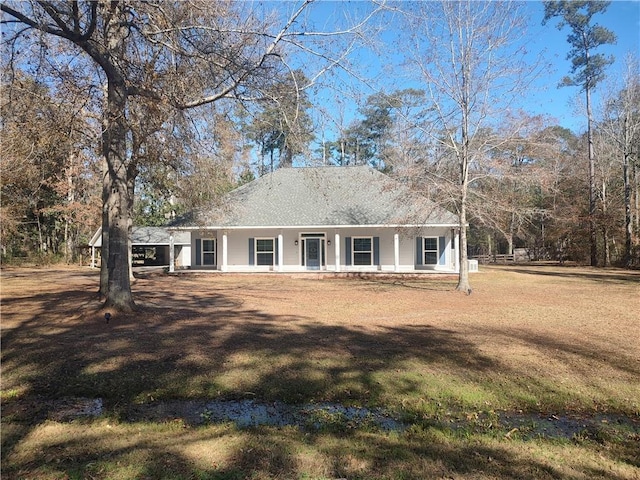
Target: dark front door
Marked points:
312	253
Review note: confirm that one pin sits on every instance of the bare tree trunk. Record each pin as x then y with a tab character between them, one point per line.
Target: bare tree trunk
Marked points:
637	200
593	239
117	202
41	247
606	253
463	159
628	229
463	277
68	243
130	197
511	234
104	249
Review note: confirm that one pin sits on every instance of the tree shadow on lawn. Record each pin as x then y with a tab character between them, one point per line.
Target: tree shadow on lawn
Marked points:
101	450
206	344
182	342
178	344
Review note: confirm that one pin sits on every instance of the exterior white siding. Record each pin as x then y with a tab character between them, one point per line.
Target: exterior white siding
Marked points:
183	256
242	258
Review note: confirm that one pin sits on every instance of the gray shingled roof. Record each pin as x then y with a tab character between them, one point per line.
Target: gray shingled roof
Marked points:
322	196
148	236
157	236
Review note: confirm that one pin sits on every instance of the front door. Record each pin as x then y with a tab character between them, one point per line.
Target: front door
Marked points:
312	253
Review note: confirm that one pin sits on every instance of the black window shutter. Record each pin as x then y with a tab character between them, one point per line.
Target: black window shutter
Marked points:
419	250
251	251
198	251
347	251
275	250
376	250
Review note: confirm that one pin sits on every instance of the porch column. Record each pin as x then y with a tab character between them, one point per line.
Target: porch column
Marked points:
172	253
280	251
396	252
336	249
224	252
456	251
93	256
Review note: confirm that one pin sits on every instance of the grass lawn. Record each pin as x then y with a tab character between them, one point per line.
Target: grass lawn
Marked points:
536	342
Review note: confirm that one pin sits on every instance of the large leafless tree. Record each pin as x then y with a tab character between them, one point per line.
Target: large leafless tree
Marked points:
470	59
174	55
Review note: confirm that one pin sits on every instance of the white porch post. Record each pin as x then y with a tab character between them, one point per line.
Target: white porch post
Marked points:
336	249
224	252
456	252
172	253
93	256
396	252
130	256
280	251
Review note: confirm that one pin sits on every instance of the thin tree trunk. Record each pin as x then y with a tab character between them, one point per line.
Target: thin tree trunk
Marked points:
511	234
68	244
628	230
104	249
464	160
40	239
130	196
637	201
606	254
463	278
593	239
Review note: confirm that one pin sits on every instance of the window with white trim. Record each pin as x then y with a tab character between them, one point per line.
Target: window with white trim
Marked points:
362	250
265	252
430	250
208	251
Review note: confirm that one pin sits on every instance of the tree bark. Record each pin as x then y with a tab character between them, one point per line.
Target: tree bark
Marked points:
593	238
117	202
464	160
628	228
463	277
117	190
636	200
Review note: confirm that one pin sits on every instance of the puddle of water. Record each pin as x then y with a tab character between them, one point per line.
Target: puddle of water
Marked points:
72	408
332	416
531	425
249	413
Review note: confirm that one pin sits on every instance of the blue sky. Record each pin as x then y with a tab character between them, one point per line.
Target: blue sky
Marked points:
622	17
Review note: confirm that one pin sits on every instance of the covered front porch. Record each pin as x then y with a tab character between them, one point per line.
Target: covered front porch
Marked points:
322	249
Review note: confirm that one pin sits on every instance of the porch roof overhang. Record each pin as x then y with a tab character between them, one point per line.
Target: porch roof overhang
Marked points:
310	227
145	237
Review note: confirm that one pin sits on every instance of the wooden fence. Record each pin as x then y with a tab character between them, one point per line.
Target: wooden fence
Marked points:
497	258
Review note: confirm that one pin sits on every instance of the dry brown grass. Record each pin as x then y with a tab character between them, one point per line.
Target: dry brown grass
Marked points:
556	340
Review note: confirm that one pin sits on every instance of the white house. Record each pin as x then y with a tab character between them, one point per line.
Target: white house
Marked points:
336	219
